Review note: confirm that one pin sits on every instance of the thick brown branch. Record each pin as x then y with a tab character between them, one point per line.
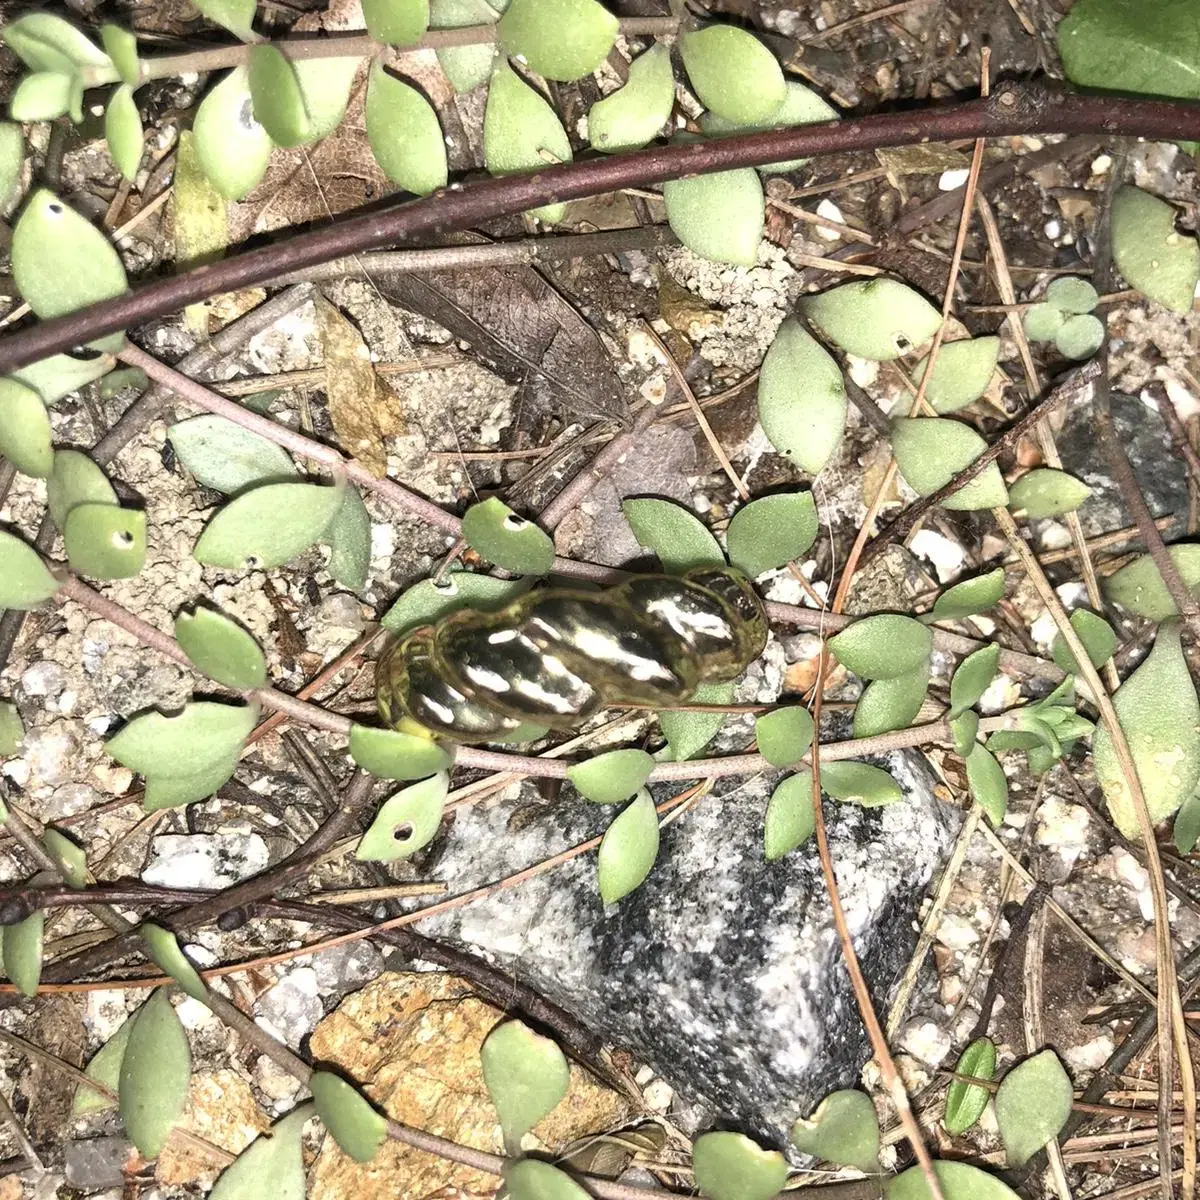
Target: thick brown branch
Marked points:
1015	109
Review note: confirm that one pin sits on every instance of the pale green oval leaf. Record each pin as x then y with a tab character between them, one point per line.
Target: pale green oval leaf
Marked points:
69	857
24	580
390	754
970	597
44	42
687	733
466	67
227	458
987	784
104	541
221	648
972	678
1186	831
356	1127
349	541
396	22
55	377
25	429
964	728
1152	254
105	1069
75	480
170	791
961	374
883	646
1139	587
733	73
1080	337
611	778
801	398
635	113
427	602
1032	1105
526	1076
1097	637
1042	322
404	133
22	946
959	1181
772	531
965	1102
45	96
729	1166
718	216
843	1130
235	15
268	525
784	736
154	1075
859	783
930	451
163	949
1044	492
121	47
1071	294
521	132
498	534
203	735
325	84
232	147
123	131
628	849
272	1165
12	731
558	39
888	704
60	261
874	318
1160	714
12	160
278	102
681	540
533	1179
406	822
789	819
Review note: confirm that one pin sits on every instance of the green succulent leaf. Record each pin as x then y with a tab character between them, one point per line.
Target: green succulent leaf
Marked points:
972	678
958	1181
784	735
427	601
221	648
396	22
69	858
466	67
719	216
961	374
121	47
123	130
789	819
964	729
801	398
227	458
987	784
273	1164
61	262
681	540
104	541
733	73
276	96
264	527
55	377
356	1127
970	597
406	822
772	531
12	731
1097	637
235	15
965	1102
1043	321
46	96
628	849
559	39
1080	337
22	947
1032	1105
888	704
1160	714
687	733
874	318
24	580
611	778
163	949
883	646
25	429
1140	589
526	1076
729	1166
521	133
12	160
104	1069
930	451
498	534
1187	825
1071	294
533	1179
75	480
153	1080
404	133
232	147
44	42
1152	254
326	84
859	783
635	113
170	791
203	735
843	1130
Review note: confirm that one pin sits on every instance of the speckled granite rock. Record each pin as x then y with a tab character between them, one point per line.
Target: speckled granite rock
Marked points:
721	971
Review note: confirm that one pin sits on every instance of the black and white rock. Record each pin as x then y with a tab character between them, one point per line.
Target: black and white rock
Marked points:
721	971
204	860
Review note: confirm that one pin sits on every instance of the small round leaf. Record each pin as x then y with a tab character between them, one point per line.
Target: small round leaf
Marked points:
526	1076
44	42
959	1181
772	531
391	754
964	728
965	1102
1043	321
1186	831
56	376
1071	294
272	1165
12	731
22	946
628	849
533	1179
635	114
268	525
843	1130
404	133
987	784
888	704
930	451
75	480
1140	589
46	96
874	318
970	597
498	534
729	1166
349	539
164	950
611	778
170	791
202	736
859	783
104	541
1097	637
1080	337
733	73
105	1069
227	458
155	1069
559	39
972	678
784	735
801	106
12	160
1032	1105
24	580
681	540
718	216
961	374
427	602
235	15
1152	254
221	648
789	820
406	822
121	46
232	147
25	429
356	1127
883	646
466	67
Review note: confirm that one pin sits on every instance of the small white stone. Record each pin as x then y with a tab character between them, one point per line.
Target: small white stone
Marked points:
950	181
955	933
830	212
1053	229
926	1041
946	556
658	1096
1101	163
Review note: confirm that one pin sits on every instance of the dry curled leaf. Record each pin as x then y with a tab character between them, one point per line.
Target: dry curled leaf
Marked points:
365	412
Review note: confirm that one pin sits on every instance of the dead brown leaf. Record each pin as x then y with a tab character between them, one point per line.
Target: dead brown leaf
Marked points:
365	412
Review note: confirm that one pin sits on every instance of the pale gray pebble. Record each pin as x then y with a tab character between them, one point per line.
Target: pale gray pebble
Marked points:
292	1007
43	678
346	968
92	1164
204	860
342	611
69	800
